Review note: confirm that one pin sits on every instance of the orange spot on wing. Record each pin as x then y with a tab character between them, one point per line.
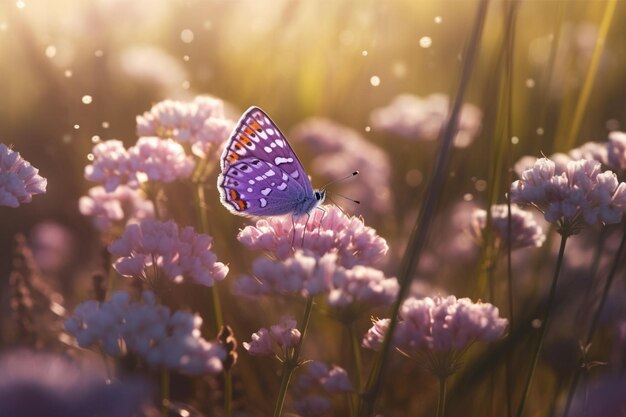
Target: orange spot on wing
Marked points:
240	204
232	157
248	131
234	195
244	139
255	125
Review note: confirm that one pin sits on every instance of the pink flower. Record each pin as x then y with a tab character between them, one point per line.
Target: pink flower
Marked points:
581	193
325	232
616	150
153	244
116	208
278	340
149	330
339	150
111	166
524	230
201	123
441	328
157	160
360	288
422	118
334	380
19	180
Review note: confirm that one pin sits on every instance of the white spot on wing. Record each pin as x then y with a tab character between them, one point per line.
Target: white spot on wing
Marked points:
295	174
263	202
267	149
249	189
270	173
266	191
285	176
280	160
280	143
270	131
258	178
251	182
282	186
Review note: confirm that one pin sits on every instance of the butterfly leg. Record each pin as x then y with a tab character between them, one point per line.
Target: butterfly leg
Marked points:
319	226
308	217
293	236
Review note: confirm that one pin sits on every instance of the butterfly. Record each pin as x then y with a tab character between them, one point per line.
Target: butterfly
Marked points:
261	174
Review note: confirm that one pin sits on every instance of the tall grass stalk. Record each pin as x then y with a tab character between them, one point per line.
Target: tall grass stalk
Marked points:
617	262
544	324
419	234
590	77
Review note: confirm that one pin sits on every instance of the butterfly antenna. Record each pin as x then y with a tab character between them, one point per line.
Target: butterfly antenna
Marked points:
337	205
347	198
340	179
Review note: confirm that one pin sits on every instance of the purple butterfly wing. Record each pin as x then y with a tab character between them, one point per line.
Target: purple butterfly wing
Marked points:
261	174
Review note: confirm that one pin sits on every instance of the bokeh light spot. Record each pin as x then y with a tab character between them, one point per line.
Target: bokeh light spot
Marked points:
51	51
425	42
186	36
87	99
375	80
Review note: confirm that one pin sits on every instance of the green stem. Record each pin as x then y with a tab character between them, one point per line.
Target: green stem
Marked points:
291	361
441	404
544	324
419	234
165	391
594	323
357	368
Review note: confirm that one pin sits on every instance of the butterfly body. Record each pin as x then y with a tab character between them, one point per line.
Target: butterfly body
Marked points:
261	174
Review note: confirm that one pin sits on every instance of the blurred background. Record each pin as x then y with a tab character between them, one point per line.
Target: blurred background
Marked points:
76	72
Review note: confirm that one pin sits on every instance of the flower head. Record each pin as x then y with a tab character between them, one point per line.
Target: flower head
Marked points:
338	149
159	160
111	166
148	329
440	327
334	380
616	150
278	340
123	205
200	123
419	118
525	231
177	254
581	193
324	232
45	384
19	180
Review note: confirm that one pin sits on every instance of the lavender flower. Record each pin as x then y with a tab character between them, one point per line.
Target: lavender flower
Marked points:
334	380
583	192
111	166
440	327
200	123
325	231
115	209
419	118
524	230
616	150
44	384
148	329
177	254
337	149
348	291
278	340
157	160
19	180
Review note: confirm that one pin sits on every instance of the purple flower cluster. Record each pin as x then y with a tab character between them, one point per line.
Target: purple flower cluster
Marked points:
325	231
525	232
333	380
154	247
19	180
616	150
440	324
149	330
417	118
45	385
339	150
200	123
151	159
115	209
309	275
580	193
276	341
